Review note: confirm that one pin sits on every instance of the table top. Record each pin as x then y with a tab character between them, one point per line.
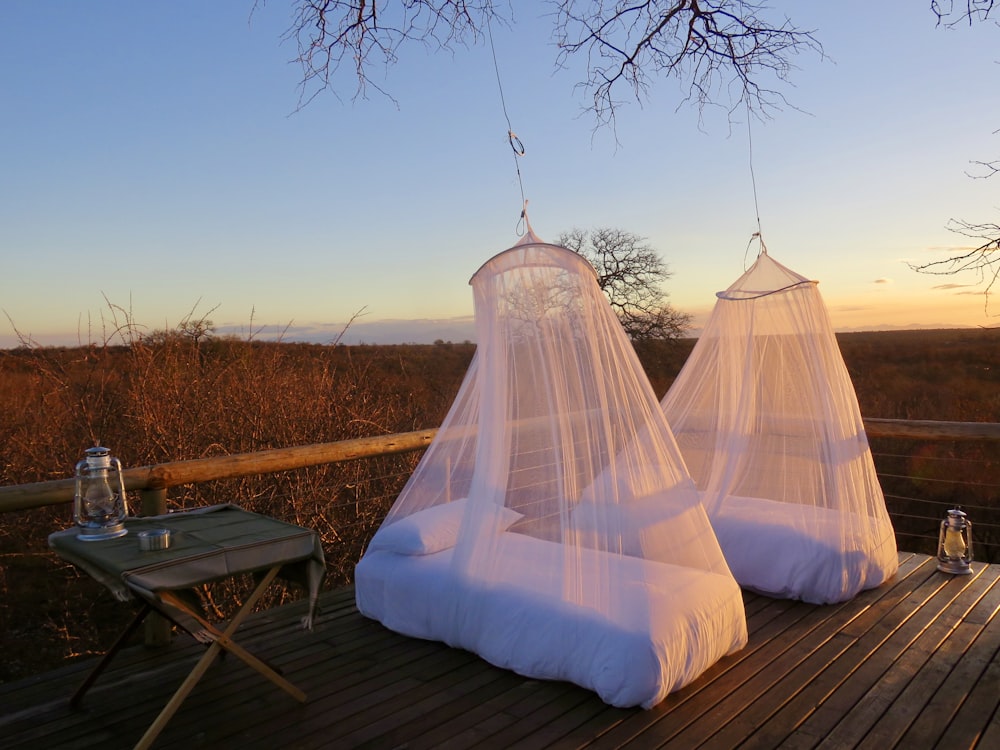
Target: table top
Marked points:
206	544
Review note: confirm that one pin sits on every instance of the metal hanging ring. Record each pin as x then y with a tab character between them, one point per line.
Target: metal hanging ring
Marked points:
515	143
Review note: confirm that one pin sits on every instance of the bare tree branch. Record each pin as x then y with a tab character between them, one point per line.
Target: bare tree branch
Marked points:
718	49
723	51
364	34
983	261
990	168
954	12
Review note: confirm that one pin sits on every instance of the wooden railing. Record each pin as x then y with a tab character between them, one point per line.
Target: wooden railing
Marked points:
152	481
932	430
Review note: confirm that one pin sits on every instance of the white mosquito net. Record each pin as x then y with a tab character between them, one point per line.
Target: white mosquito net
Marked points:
537	531
768	421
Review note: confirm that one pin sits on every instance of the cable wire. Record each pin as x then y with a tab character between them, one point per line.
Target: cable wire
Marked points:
515	143
759	234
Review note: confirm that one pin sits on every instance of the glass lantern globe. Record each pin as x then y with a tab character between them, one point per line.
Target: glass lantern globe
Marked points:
99	508
955	544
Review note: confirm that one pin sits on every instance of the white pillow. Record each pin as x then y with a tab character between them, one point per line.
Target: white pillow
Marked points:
626	519
668	526
436	528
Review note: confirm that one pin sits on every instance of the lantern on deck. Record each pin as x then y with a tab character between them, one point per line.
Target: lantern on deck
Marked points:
99	508
955	544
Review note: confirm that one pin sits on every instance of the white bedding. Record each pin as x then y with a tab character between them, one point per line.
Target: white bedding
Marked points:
670	622
802	552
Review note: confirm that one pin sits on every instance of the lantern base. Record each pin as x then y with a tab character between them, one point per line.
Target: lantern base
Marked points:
97	533
957	567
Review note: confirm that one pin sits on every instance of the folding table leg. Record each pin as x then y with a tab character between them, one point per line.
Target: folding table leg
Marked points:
223	640
109	655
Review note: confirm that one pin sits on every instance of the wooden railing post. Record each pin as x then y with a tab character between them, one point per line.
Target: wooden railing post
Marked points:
157	630
153	502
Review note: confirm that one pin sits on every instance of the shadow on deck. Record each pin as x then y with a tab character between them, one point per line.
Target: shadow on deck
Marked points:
913	664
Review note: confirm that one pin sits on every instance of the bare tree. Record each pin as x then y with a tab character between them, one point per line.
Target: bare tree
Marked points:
983	259
717	49
630	273
197	329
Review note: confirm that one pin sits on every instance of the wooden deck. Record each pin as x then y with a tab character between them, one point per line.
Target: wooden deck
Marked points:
912	664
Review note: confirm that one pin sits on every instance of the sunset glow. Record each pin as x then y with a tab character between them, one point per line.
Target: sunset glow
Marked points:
147	179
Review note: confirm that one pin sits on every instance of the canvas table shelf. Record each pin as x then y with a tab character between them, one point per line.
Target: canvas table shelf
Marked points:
206	545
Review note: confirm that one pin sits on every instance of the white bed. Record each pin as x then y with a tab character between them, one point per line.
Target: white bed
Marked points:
670	623
795	551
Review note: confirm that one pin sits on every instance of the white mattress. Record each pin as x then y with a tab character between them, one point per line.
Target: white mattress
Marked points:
795	551
670	623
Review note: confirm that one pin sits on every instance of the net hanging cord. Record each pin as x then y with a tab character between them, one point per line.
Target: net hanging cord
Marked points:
515	143
759	234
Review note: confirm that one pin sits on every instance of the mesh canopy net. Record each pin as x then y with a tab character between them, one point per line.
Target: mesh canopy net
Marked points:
768	422
551	526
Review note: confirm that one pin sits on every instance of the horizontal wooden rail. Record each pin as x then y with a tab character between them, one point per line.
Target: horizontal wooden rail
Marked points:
175	473
932	430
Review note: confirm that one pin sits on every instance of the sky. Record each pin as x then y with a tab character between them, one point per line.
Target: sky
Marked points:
155	165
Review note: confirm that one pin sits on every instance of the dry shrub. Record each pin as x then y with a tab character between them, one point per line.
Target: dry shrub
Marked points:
172	397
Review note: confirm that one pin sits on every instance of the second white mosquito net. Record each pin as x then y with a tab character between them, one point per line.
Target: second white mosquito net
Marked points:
768	421
537	531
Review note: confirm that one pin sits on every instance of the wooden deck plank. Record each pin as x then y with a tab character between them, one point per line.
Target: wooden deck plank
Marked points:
921	672
139	665
741	663
683	708
767	624
814	680
147	696
426	700
914	663
451	715
530	719
991	736
838	688
874	708
356	701
571	728
593	728
939	713
811	686
966	728
788	658
863	700
223	688
490	717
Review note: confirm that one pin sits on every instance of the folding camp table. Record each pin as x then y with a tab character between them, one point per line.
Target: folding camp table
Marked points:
205	545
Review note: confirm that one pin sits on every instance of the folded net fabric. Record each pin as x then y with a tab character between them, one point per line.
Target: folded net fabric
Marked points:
768	421
538	497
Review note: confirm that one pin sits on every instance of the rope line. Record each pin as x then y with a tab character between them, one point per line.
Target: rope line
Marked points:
759	234
515	143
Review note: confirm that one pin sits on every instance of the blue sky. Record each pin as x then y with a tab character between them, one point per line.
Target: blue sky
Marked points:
153	162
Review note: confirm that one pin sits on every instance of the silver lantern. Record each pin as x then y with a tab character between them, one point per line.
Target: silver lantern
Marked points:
99	508
955	544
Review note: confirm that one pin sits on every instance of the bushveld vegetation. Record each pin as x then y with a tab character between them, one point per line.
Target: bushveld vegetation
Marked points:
172	396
